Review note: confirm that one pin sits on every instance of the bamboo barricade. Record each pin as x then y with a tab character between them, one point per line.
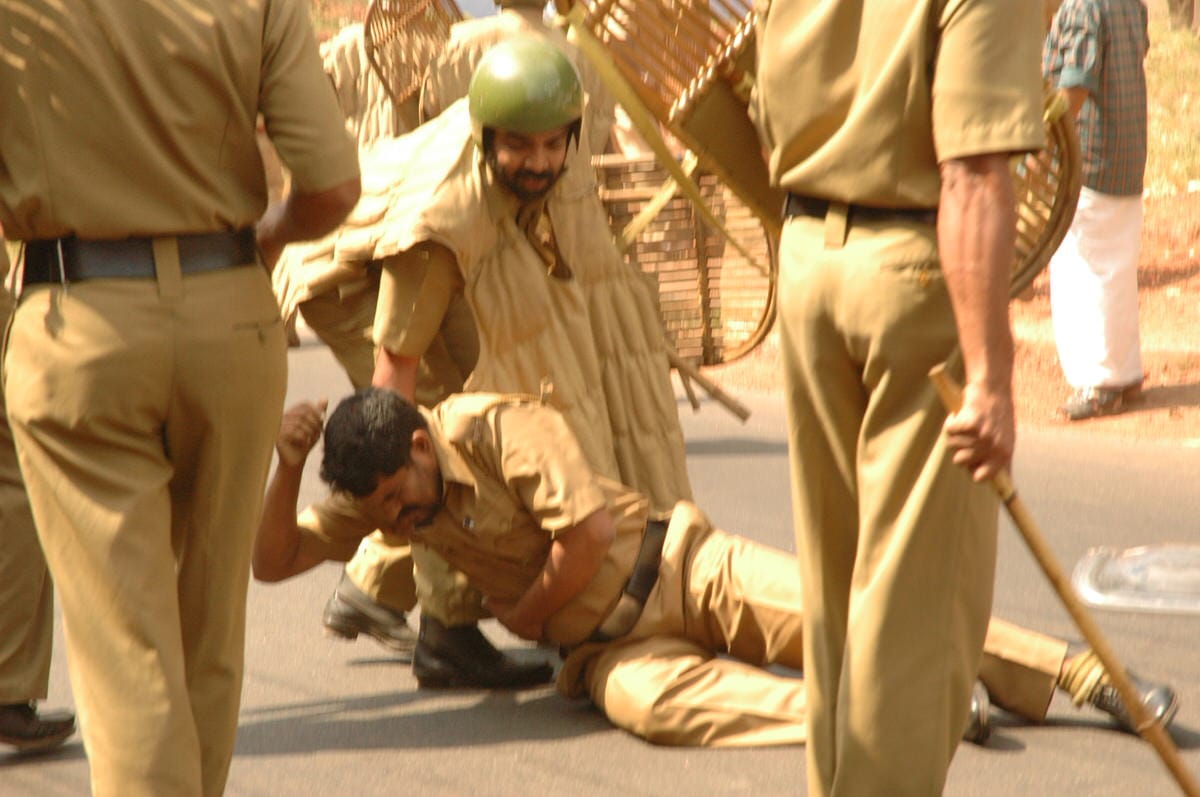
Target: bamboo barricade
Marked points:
401	37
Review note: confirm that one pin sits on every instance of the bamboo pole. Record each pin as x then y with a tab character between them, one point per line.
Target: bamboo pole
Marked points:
689	371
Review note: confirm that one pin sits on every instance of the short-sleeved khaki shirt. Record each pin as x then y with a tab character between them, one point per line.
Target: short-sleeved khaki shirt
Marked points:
513	477
416	289
120	122
860	101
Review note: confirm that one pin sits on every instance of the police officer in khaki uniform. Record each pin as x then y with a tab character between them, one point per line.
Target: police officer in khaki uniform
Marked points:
471	205
146	364
26	601
875	123
644	600
338	303
378	582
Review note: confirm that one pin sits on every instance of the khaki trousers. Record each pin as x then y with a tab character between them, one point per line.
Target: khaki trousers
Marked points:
716	593
26	593
144	413
343	318
719	593
400	576
896	544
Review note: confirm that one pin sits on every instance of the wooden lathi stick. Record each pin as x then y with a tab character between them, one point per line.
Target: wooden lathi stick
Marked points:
1147	728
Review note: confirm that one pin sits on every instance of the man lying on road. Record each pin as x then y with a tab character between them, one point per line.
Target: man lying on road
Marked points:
642	604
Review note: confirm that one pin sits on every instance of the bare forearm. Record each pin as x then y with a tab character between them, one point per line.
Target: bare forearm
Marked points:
304	216
975	238
277	544
575	558
1075	96
396	372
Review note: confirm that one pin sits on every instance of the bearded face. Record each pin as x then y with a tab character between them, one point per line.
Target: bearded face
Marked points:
529	164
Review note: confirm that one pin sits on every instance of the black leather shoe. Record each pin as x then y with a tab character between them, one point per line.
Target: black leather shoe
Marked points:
461	656
979	728
22	727
351	612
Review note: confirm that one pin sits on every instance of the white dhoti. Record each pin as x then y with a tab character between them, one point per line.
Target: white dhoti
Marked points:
1093	293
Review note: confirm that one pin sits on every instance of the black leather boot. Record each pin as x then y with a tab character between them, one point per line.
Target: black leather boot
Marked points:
461	656
22	727
351	612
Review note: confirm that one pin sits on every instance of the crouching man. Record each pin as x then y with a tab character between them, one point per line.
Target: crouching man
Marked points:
641	604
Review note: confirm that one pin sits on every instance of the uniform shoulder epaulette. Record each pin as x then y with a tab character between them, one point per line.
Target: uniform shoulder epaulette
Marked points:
464	416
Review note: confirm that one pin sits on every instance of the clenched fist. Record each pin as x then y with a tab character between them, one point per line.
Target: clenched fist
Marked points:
299	431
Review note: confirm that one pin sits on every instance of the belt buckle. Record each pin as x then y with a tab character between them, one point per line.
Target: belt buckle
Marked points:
62	262
620	621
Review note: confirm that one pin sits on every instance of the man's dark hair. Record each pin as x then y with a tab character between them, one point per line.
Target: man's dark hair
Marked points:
368	436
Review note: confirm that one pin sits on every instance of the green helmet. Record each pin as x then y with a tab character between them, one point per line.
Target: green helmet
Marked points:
524	85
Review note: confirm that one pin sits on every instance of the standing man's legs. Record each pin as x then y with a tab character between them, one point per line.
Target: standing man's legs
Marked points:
26	605
822	437
219	436
377	585
897	546
155	656
1094	302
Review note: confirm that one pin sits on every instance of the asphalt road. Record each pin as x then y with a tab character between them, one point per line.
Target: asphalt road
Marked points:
325	717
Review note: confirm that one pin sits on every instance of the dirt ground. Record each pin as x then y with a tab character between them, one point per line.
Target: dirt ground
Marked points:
1169	311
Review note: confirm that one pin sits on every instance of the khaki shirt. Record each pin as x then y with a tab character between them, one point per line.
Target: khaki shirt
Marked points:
513	478
532	320
120	122
426	316
860	103
592	329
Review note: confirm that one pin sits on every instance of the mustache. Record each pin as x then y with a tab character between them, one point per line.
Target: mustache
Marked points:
529	174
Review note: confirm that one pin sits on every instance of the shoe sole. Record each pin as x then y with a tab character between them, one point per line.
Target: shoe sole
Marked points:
349	631
432	679
449	682
37	745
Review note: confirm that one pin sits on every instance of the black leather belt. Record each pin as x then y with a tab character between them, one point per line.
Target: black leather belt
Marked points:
624	616
797	205
66	260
